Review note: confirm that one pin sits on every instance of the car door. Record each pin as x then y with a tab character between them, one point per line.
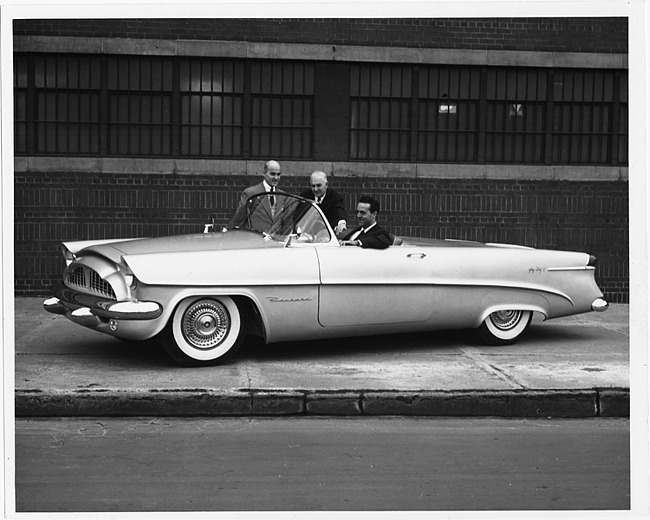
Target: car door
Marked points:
370	286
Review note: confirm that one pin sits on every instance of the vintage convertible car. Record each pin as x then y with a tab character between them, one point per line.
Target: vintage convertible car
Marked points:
282	275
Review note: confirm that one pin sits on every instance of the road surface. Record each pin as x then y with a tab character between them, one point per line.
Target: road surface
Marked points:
312	464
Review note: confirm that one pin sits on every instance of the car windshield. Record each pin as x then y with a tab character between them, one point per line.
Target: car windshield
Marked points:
282	216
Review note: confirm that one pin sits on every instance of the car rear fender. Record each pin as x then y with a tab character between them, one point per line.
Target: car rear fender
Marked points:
512	300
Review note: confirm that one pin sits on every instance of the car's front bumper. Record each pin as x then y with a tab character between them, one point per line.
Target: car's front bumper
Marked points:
129	319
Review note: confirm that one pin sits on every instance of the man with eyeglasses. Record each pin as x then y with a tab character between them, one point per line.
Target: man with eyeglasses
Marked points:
330	201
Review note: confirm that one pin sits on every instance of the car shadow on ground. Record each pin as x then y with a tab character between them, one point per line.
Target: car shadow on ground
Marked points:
150	354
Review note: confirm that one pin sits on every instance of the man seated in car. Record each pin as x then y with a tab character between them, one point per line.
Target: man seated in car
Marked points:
368	234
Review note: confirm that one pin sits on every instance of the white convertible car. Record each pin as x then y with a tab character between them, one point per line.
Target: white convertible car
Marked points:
284	276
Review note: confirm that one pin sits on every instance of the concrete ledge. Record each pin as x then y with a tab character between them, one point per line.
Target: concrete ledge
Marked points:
346	403
278	403
209	402
386	170
614	403
325	52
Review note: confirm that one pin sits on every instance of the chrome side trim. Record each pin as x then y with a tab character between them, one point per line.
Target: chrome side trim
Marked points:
577	268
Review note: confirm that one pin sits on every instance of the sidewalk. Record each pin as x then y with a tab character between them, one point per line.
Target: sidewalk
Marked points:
568	367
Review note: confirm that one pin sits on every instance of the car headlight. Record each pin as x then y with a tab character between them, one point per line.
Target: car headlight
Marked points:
129	277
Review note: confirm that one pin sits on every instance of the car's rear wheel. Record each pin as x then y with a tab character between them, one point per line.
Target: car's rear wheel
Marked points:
204	331
504	327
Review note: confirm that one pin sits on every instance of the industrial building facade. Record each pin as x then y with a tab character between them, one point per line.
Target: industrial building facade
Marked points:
497	130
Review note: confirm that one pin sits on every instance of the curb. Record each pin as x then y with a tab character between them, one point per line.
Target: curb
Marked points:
610	402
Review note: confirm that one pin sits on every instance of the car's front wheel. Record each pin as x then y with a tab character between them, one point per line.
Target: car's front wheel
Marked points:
504	327
204	331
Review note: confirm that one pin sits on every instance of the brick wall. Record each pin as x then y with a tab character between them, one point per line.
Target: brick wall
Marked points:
581	216
602	35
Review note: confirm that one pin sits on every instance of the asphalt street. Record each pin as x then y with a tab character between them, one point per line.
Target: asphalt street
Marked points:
568	367
323	464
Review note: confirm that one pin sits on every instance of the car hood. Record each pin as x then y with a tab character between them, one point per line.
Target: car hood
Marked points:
228	240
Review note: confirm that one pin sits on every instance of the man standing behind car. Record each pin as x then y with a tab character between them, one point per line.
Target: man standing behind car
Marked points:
271	172
265	211
330	201
369	234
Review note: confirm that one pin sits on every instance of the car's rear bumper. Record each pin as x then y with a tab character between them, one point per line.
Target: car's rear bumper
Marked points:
599	305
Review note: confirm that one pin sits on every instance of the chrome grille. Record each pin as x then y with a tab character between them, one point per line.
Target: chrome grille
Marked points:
100	286
89	281
77	277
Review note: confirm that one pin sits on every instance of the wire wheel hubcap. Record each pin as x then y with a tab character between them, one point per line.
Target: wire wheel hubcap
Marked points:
505	320
205	324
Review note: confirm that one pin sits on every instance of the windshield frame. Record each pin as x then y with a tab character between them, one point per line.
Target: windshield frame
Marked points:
299	222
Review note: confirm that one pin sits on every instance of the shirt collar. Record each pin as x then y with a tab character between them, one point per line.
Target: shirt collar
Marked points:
267	187
365	230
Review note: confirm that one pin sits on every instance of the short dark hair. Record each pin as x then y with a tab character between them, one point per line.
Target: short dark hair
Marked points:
374	204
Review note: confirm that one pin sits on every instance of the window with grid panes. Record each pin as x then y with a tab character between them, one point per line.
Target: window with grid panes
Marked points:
139	105
380	112
582	116
20	105
282	98
66	104
448	102
515	115
211	94
621	151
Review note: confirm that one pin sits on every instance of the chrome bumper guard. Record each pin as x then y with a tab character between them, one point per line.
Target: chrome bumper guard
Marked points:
89	311
599	305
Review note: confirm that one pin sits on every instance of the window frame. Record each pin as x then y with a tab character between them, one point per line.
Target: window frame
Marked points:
406	131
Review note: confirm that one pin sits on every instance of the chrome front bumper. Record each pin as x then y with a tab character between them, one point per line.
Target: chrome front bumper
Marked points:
88	310
599	305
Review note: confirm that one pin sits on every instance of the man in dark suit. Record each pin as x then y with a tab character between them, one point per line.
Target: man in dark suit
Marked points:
331	202
369	234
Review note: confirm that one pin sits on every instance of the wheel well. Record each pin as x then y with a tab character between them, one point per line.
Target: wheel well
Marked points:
506	307
252	317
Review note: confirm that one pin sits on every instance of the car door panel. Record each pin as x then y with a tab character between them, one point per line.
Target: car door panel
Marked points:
369	286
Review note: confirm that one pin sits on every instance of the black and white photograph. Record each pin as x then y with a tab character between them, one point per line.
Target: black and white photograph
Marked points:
318	260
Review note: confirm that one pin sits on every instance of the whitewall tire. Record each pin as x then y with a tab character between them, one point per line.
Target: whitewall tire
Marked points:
504	327
204	331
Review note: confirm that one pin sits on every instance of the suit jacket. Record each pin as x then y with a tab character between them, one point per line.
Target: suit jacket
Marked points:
332	205
375	238
261	216
254	190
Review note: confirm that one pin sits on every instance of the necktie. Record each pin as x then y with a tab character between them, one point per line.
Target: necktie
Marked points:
318	200
272	197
